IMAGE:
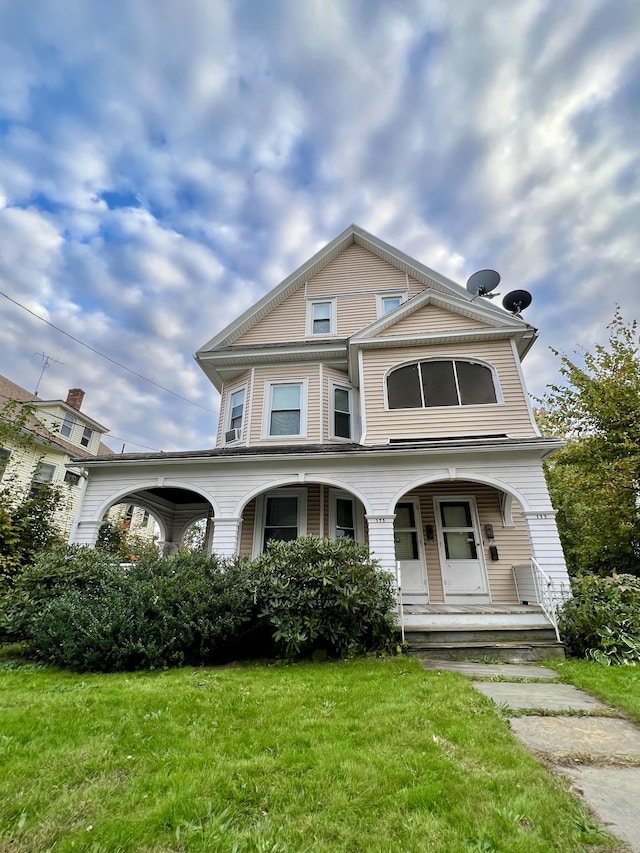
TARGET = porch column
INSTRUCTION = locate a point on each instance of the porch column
(225, 536)
(382, 546)
(167, 547)
(85, 533)
(545, 544)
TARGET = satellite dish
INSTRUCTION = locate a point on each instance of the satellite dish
(516, 301)
(481, 283)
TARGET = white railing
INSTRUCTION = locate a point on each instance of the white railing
(534, 586)
(399, 596)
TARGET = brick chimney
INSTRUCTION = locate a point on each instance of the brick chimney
(75, 398)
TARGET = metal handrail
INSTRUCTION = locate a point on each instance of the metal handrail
(549, 594)
(399, 595)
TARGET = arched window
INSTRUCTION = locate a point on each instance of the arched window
(440, 382)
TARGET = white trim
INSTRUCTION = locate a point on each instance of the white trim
(321, 401)
(331, 301)
(358, 513)
(269, 385)
(422, 551)
(523, 385)
(363, 404)
(261, 510)
(252, 381)
(343, 386)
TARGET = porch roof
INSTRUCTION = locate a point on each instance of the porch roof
(426, 446)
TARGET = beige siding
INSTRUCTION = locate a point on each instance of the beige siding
(510, 417)
(431, 318)
(512, 542)
(353, 278)
(284, 373)
(248, 526)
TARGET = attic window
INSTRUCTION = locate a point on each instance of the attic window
(441, 382)
(87, 435)
(321, 317)
(67, 425)
(389, 302)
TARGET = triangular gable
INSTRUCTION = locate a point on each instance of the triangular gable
(435, 312)
(412, 269)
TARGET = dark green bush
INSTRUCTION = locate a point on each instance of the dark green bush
(186, 609)
(602, 619)
(319, 595)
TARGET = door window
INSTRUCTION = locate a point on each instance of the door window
(457, 531)
(405, 532)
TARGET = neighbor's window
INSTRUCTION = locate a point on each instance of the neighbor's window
(87, 435)
(322, 317)
(67, 426)
(341, 412)
(285, 411)
(440, 382)
(43, 476)
(4, 460)
(71, 478)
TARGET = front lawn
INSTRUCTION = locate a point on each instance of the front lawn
(616, 685)
(364, 755)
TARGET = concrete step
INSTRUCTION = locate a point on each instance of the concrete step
(511, 652)
(466, 634)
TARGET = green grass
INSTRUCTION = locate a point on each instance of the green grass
(366, 755)
(618, 686)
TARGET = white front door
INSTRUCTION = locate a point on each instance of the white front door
(464, 575)
(409, 552)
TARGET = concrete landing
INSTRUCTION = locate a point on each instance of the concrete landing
(600, 754)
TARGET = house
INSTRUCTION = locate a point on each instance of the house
(369, 396)
(57, 431)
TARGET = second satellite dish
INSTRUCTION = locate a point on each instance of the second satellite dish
(516, 301)
(481, 283)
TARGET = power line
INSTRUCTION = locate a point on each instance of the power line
(107, 357)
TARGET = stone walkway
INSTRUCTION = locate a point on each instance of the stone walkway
(577, 734)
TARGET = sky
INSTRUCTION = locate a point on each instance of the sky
(165, 163)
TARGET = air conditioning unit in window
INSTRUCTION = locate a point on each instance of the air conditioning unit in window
(232, 435)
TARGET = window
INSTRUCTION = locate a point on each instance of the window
(67, 426)
(388, 302)
(321, 317)
(235, 415)
(87, 435)
(283, 517)
(405, 532)
(43, 476)
(345, 516)
(4, 460)
(71, 478)
(443, 382)
(285, 413)
(341, 412)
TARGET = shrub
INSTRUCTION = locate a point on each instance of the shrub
(185, 609)
(602, 619)
(324, 596)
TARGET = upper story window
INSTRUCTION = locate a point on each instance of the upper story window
(285, 410)
(235, 415)
(43, 476)
(4, 460)
(321, 317)
(341, 411)
(87, 435)
(388, 302)
(440, 382)
(67, 425)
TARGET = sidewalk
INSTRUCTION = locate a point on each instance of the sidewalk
(577, 734)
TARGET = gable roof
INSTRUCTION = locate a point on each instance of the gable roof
(434, 283)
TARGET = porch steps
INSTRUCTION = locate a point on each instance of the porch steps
(512, 635)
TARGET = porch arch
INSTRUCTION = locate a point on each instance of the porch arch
(320, 479)
(148, 485)
(460, 475)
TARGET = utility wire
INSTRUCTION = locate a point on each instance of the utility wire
(108, 358)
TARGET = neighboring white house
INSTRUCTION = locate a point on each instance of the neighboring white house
(57, 431)
(365, 396)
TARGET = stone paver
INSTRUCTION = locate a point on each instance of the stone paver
(541, 697)
(493, 670)
(600, 738)
(614, 794)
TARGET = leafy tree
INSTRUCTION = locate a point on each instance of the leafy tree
(595, 480)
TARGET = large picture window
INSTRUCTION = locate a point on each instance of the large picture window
(440, 382)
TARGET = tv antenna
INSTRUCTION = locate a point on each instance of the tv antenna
(46, 359)
(481, 283)
(516, 301)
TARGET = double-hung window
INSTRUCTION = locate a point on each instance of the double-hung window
(87, 435)
(235, 407)
(281, 516)
(43, 476)
(342, 417)
(345, 516)
(321, 317)
(285, 413)
(67, 425)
